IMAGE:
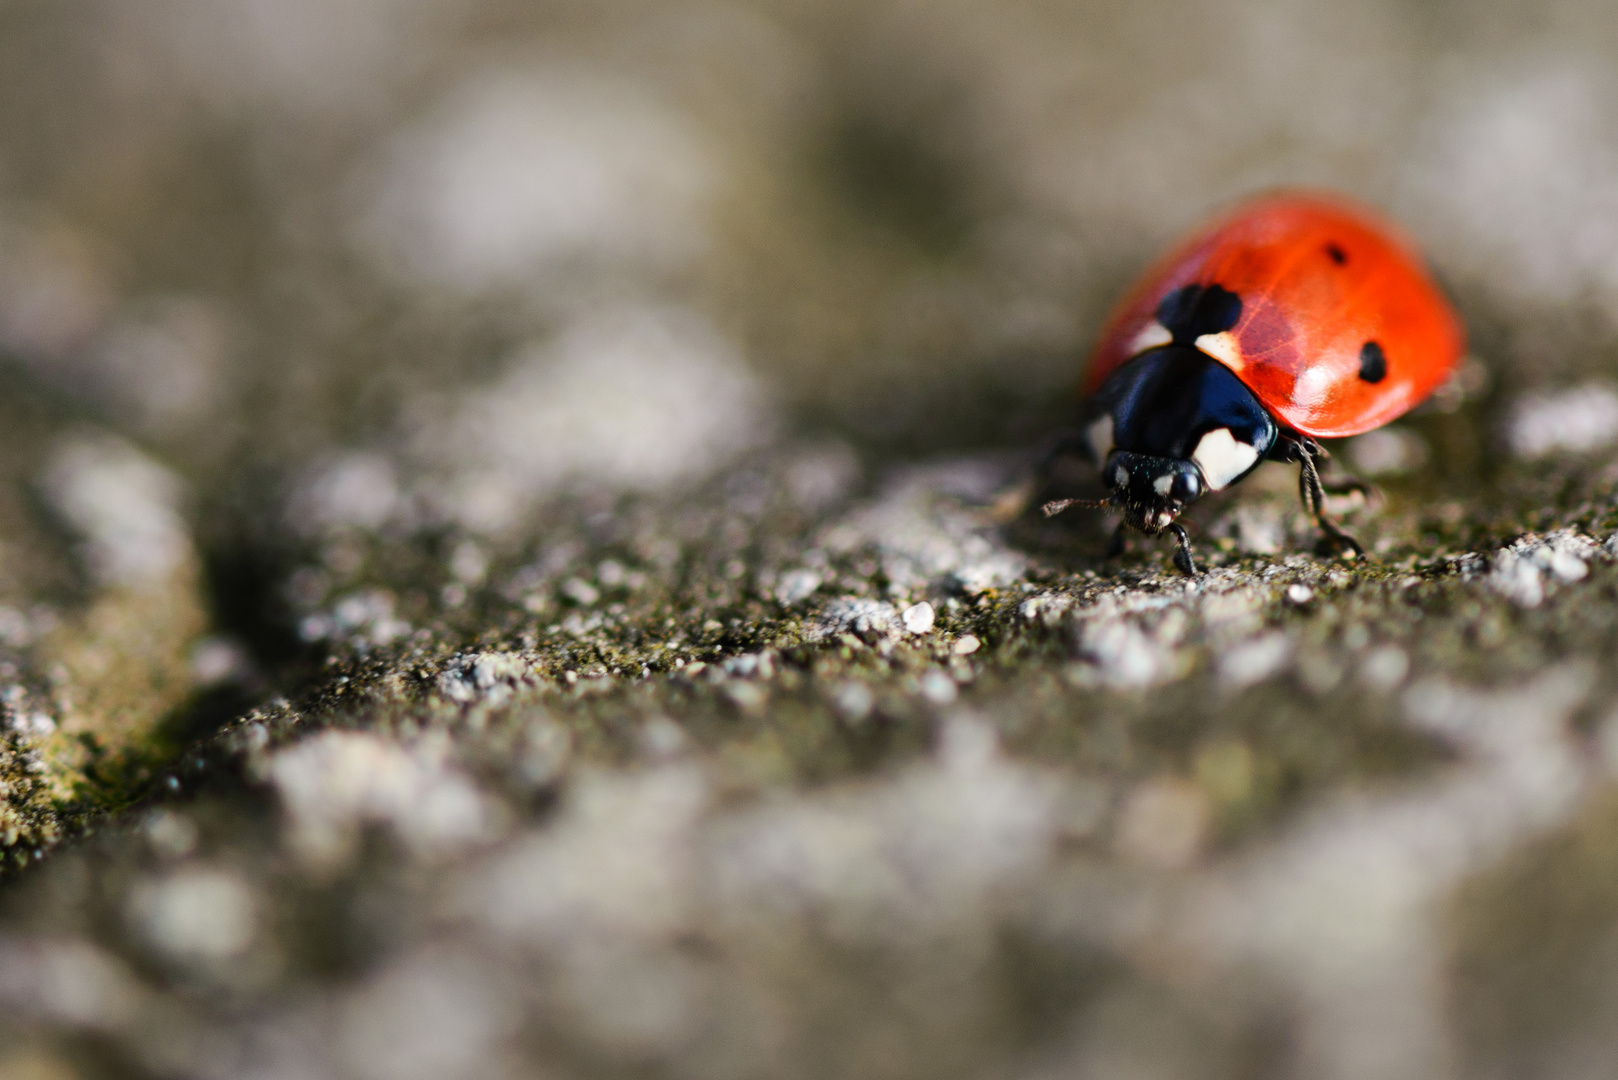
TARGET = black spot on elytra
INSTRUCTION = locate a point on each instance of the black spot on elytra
(1336, 254)
(1195, 310)
(1373, 363)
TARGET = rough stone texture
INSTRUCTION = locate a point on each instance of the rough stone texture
(102, 621)
(511, 563)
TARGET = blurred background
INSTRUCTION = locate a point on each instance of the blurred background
(399, 268)
(256, 233)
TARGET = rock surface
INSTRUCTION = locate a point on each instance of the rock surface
(509, 565)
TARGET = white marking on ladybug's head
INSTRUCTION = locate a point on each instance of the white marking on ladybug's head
(1222, 457)
(1223, 347)
(1163, 484)
(1152, 335)
(1163, 519)
(1099, 436)
(1120, 477)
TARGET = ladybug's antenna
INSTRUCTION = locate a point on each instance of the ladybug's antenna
(1056, 507)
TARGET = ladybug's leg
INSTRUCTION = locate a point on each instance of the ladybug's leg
(1182, 555)
(1345, 486)
(1349, 486)
(1313, 494)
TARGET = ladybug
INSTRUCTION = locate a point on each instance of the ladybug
(1298, 316)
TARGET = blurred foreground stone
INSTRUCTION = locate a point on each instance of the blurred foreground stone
(808, 775)
(101, 614)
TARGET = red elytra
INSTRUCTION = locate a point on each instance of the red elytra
(1318, 277)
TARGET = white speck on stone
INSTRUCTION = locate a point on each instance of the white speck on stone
(518, 172)
(195, 914)
(1254, 661)
(125, 506)
(855, 615)
(487, 678)
(966, 645)
(336, 782)
(1298, 593)
(795, 586)
(1576, 420)
(1524, 570)
(918, 618)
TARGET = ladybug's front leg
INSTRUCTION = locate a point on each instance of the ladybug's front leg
(1182, 554)
(1313, 494)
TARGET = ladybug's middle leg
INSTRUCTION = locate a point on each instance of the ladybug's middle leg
(1346, 485)
(1313, 494)
(1295, 448)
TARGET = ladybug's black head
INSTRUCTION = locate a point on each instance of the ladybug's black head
(1169, 426)
(1151, 491)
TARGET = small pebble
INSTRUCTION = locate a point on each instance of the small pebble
(1300, 594)
(966, 645)
(918, 618)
